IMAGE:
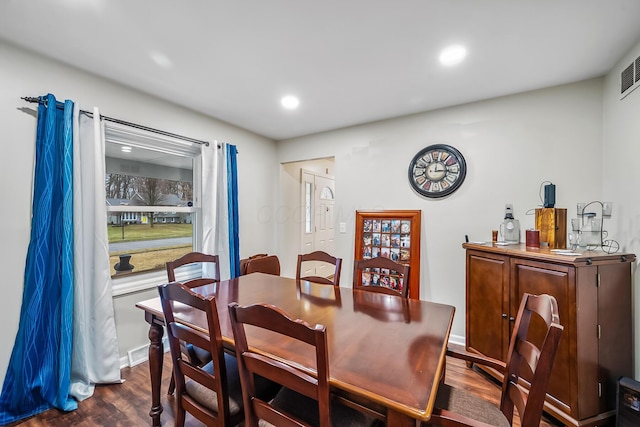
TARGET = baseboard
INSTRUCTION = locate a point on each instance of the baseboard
(457, 339)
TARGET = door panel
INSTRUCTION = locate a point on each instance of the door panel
(535, 278)
(318, 193)
(487, 329)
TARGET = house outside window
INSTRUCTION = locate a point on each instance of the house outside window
(153, 210)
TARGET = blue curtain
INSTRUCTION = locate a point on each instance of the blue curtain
(232, 193)
(38, 375)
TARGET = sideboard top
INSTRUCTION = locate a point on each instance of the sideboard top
(546, 254)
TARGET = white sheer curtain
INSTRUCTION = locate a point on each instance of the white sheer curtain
(95, 356)
(215, 215)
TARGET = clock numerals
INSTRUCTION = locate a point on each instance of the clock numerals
(422, 163)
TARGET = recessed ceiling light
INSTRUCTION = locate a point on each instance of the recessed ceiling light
(453, 55)
(160, 59)
(125, 149)
(290, 102)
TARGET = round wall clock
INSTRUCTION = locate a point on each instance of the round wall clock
(437, 170)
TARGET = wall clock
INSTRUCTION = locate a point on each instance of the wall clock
(437, 170)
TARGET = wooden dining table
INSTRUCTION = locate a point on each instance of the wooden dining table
(386, 353)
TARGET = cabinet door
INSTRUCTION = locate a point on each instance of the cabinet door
(557, 280)
(615, 353)
(487, 304)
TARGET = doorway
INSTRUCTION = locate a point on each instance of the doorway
(318, 225)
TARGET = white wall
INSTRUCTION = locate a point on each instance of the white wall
(621, 172)
(24, 74)
(511, 145)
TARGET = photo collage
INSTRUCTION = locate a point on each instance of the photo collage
(389, 238)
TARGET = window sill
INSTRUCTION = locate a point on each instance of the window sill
(142, 282)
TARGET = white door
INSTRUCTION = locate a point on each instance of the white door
(318, 233)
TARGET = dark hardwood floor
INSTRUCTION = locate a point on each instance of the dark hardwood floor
(127, 404)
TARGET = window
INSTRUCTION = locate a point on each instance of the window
(152, 188)
(307, 207)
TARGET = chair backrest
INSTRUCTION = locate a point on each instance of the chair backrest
(382, 275)
(180, 335)
(529, 359)
(209, 262)
(269, 264)
(244, 261)
(249, 363)
(320, 256)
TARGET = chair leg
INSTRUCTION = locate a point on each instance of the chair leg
(172, 385)
(180, 415)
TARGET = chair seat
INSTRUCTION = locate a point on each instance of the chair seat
(200, 354)
(206, 397)
(469, 405)
(209, 398)
(306, 409)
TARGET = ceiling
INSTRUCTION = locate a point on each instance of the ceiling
(348, 61)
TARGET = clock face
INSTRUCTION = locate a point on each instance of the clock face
(437, 171)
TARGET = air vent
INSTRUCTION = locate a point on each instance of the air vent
(630, 78)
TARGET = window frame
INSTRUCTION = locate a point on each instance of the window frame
(143, 139)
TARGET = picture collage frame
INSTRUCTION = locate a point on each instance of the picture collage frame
(392, 234)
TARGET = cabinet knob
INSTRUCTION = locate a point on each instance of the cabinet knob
(512, 319)
(504, 315)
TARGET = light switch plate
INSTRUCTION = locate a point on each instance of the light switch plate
(343, 227)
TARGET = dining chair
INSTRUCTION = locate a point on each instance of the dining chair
(211, 393)
(244, 261)
(322, 257)
(532, 351)
(304, 399)
(269, 264)
(209, 264)
(381, 275)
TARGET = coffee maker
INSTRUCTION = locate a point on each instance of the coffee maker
(510, 227)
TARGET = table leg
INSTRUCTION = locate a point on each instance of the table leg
(155, 369)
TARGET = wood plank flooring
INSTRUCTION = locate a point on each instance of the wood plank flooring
(127, 404)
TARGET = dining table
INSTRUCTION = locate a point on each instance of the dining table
(386, 353)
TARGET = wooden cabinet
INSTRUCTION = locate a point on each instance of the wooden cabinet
(593, 291)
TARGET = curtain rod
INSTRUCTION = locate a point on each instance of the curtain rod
(38, 100)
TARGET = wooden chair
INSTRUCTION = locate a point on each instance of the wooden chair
(269, 264)
(210, 263)
(530, 357)
(244, 261)
(304, 400)
(398, 272)
(320, 256)
(212, 393)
